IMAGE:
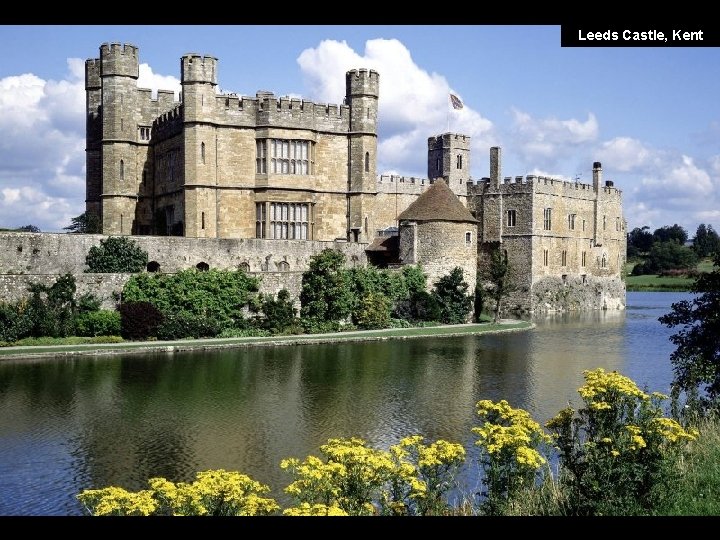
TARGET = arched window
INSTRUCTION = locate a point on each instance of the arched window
(202, 152)
(244, 266)
(202, 266)
(122, 170)
(468, 238)
(153, 266)
(367, 161)
(283, 266)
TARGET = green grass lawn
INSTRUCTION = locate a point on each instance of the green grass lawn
(662, 284)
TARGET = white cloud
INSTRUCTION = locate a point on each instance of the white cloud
(413, 105)
(624, 154)
(545, 142)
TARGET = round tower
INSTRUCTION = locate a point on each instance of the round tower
(119, 69)
(198, 76)
(361, 95)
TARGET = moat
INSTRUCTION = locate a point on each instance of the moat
(69, 424)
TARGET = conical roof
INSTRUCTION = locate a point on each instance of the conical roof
(437, 203)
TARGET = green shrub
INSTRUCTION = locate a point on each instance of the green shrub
(451, 295)
(15, 322)
(219, 295)
(98, 323)
(116, 254)
(139, 320)
(374, 312)
(244, 332)
(279, 313)
(183, 325)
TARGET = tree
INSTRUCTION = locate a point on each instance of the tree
(667, 256)
(451, 295)
(639, 240)
(116, 254)
(279, 313)
(500, 278)
(706, 242)
(696, 360)
(326, 294)
(29, 228)
(85, 223)
(674, 233)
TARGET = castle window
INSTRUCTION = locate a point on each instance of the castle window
(283, 266)
(283, 221)
(153, 266)
(468, 238)
(617, 223)
(437, 164)
(202, 152)
(511, 218)
(563, 258)
(244, 266)
(584, 258)
(571, 222)
(603, 263)
(547, 219)
(545, 257)
(202, 220)
(290, 156)
(122, 170)
(260, 218)
(367, 161)
(583, 225)
(604, 222)
(459, 161)
(261, 161)
(144, 133)
(202, 266)
(367, 113)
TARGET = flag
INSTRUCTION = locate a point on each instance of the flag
(456, 103)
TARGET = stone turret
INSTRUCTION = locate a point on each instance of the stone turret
(361, 95)
(449, 159)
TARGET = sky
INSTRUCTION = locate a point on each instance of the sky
(651, 116)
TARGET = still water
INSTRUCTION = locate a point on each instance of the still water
(72, 424)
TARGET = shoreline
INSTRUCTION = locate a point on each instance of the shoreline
(206, 344)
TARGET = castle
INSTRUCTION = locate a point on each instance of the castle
(220, 166)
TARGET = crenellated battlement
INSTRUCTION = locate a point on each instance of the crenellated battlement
(168, 124)
(361, 82)
(545, 185)
(196, 68)
(391, 183)
(119, 60)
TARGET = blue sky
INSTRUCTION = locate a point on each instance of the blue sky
(650, 115)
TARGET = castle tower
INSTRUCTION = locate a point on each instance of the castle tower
(449, 159)
(118, 73)
(93, 137)
(361, 95)
(199, 82)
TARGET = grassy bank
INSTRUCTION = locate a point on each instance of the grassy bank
(72, 347)
(697, 490)
(654, 283)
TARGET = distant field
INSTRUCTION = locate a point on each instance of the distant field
(659, 284)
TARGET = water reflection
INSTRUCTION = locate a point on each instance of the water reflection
(71, 424)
